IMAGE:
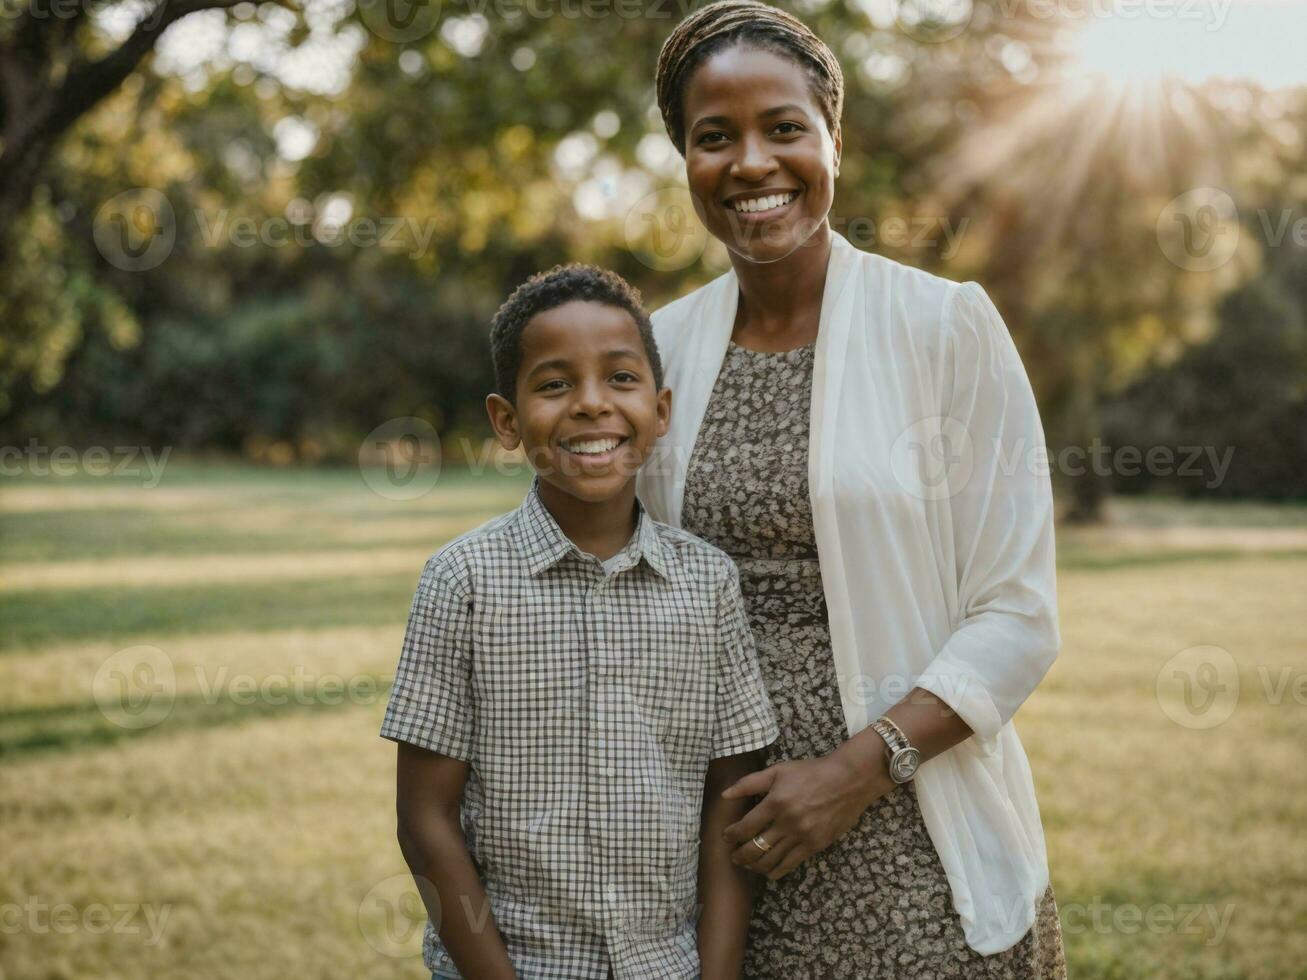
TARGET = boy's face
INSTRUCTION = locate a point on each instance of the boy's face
(587, 411)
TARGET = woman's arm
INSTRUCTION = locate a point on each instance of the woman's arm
(429, 788)
(811, 803)
(725, 892)
(1006, 634)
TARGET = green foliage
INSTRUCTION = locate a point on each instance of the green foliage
(1245, 390)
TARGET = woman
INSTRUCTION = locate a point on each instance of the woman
(854, 433)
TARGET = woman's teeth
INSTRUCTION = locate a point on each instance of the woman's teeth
(756, 204)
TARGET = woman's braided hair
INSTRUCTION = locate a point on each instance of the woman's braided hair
(721, 25)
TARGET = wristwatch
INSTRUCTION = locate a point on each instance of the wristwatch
(903, 758)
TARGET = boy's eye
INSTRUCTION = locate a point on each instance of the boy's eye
(626, 376)
(548, 385)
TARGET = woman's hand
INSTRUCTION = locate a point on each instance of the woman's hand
(807, 805)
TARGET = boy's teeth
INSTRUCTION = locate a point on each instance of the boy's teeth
(593, 446)
(764, 203)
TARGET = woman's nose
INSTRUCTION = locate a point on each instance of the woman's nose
(754, 160)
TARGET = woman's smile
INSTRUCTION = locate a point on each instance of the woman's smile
(760, 156)
(755, 209)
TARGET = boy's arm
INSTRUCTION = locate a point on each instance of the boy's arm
(429, 787)
(725, 889)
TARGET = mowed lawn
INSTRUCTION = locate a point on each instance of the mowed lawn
(192, 676)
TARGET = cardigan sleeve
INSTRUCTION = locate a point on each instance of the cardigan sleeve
(1000, 508)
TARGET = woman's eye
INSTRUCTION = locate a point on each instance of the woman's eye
(705, 137)
(797, 127)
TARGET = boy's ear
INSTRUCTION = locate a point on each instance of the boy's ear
(664, 411)
(503, 419)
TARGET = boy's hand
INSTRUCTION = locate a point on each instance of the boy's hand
(429, 788)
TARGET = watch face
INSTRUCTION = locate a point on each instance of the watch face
(904, 764)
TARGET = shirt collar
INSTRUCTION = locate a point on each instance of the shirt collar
(543, 543)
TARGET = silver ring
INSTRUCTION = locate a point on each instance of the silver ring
(761, 844)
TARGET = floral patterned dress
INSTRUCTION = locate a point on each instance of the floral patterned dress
(876, 904)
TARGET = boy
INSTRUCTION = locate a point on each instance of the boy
(577, 684)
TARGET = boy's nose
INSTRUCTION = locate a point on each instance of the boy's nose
(591, 399)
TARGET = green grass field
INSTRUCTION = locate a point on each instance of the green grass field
(192, 676)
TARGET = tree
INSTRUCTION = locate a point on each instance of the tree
(50, 78)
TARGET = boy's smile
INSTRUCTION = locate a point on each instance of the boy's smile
(587, 412)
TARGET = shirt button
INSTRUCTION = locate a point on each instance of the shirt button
(610, 771)
(611, 894)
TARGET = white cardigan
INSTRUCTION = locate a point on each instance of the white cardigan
(934, 524)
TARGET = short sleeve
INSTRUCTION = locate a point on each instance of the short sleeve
(744, 718)
(430, 700)
(1001, 512)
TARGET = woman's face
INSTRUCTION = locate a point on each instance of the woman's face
(760, 161)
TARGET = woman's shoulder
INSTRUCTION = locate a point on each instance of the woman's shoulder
(690, 308)
(906, 290)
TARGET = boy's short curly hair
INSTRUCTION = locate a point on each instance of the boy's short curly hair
(546, 290)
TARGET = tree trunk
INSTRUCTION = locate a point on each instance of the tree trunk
(1088, 484)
